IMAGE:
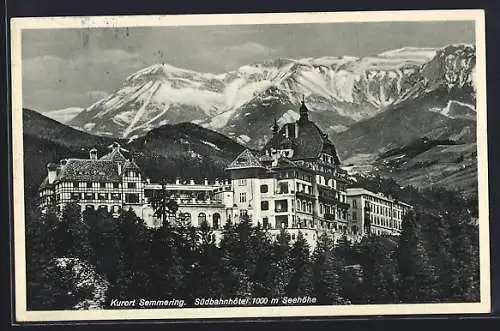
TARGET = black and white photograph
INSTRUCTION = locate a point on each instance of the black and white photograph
(250, 165)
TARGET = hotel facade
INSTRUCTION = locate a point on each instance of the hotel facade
(295, 182)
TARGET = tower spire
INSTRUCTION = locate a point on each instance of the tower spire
(304, 112)
(275, 126)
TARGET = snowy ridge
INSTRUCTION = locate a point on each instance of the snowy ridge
(345, 89)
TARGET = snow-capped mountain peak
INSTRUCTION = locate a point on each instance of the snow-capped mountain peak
(338, 90)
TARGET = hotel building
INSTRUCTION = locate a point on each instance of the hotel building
(375, 213)
(295, 182)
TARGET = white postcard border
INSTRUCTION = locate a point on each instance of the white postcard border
(23, 315)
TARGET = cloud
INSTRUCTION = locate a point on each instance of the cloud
(232, 56)
(52, 82)
(63, 115)
(97, 95)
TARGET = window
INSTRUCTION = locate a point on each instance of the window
(216, 220)
(102, 196)
(354, 216)
(131, 185)
(243, 213)
(243, 197)
(283, 221)
(283, 188)
(281, 206)
(264, 205)
(354, 203)
(89, 185)
(186, 217)
(242, 182)
(116, 185)
(75, 196)
(265, 223)
(264, 189)
(132, 198)
(103, 207)
(89, 196)
(89, 207)
(75, 184)
(202, 217)
(132, 173)
(116, 196)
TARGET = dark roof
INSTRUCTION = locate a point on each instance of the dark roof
(309, 144)
(245, 160)
(89, 171)
(115, 155)
(45, 184)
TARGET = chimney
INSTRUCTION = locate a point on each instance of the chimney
(177, 181)
(191, 182)
(52, 172)
(93, 154)
(206, 182)
(217, 182)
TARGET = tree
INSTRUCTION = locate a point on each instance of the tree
(417, 279)
(204, 280)
(326, 271)
(133, 239)
(280, 268)
(72, 234)
(164, 206)
(301, 280)
(379, 270)
(42, 289)
(235, 261)
(104, 241)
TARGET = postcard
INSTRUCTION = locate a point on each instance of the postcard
(177, 167)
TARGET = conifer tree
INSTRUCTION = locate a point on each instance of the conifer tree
(281, 270)
(326, 271)
(301, 280)
(417, 279)
(379, 269)
(73, 234)
(133, 236)
(103, 238)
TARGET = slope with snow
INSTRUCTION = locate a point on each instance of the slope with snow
(243, 103)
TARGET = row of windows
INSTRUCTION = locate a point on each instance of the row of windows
(98, 185)
(304, 206)
(385, 211)
(385, 222)
(327, 158)
(129, 197)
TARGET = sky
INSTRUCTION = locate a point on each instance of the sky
(64, 68)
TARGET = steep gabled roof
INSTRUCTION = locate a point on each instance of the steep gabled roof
(89, 171)
(245, 160)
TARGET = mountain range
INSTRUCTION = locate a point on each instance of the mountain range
(243, 103)
(408, 114)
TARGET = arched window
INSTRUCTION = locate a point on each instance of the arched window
(216, 220)
(202, 217)
(304, 206)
